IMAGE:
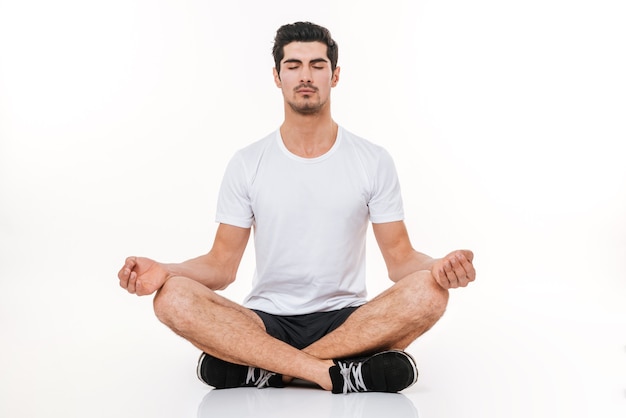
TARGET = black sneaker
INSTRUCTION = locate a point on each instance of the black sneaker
(388, 371)
(222, 375)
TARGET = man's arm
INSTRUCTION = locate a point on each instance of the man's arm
(216, 269)
(453, 270)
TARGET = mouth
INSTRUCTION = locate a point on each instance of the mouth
(306, 90)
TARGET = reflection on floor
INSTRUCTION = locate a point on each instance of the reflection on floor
(302, 402)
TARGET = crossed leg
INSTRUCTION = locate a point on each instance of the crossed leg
(226, 330)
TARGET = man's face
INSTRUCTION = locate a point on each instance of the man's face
(306, 76)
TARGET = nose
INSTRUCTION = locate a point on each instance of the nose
(305, 75)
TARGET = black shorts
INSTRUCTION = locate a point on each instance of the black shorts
(300, 331)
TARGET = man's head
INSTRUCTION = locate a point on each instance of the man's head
(304, 32)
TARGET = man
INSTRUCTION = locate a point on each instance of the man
(309, 190)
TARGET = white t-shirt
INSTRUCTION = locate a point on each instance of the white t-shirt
(310, 217)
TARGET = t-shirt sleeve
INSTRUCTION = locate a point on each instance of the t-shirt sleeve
(233, 204)
(385, 204)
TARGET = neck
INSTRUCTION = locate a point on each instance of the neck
(308, 136)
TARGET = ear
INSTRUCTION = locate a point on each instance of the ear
(277, 78)
(335, 78)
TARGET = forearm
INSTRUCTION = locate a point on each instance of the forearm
(400, 256)
(409, 263)
(206, 269)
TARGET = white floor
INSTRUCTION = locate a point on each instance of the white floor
(505, 348)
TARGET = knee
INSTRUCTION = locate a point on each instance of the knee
(172, 301)
(423, 297)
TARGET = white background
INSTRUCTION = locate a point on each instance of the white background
(507, 124)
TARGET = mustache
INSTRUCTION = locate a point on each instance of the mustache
(305, 86)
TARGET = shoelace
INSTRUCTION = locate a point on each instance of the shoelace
(261, 381)
(352, 377)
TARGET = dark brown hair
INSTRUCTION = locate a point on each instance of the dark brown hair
(304, 32)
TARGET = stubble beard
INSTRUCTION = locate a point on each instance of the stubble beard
(309, 104)
(307, 108)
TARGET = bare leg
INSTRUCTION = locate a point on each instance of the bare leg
(231, 332)
(392, 320)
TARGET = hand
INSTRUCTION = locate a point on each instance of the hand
(454, 270)
(142, 276)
